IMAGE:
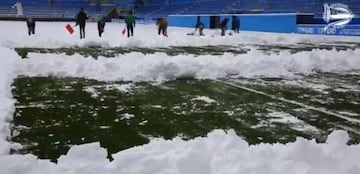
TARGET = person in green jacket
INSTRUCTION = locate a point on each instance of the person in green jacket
(130, 24)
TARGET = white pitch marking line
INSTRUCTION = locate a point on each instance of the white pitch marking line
(291, 102)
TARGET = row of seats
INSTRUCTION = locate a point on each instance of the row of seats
(61, 11)
(6, 9)
(163, 8)
(154, 10)
(58, 10)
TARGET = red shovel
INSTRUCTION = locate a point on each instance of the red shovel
(69, 28)
(124, 31)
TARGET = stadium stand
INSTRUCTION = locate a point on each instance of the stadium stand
(58, 9)
(159, 8)
(7, 9)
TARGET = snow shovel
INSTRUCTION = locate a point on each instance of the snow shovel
(70, 28)
(124, 31)
(191, 34)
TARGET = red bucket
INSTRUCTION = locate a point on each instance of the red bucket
(69, 28)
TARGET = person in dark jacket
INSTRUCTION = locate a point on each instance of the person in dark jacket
(30, 25)
(235, 25)
(81, 20)
(130, 24)
(199, 25)
(223, 26)
(101, 26)
(162, 24)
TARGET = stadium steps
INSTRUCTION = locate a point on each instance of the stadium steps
(190, 7)
(6, 9)
(151, 14)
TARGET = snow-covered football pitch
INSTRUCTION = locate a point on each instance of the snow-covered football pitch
(243, 103)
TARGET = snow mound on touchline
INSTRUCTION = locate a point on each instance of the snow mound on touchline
(219, 152)
(161, 67)
(8, 62)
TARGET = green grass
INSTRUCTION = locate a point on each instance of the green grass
(59, 113)
(95, 52)
(52, 114)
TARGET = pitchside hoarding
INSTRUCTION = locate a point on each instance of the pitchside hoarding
(350, 30)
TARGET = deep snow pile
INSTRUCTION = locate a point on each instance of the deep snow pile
(8, 59)
(219, 152)
(161, 67)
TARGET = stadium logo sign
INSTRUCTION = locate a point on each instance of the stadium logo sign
(339, 13)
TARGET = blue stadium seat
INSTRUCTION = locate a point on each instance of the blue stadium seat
(60, 9)
(161, 8)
